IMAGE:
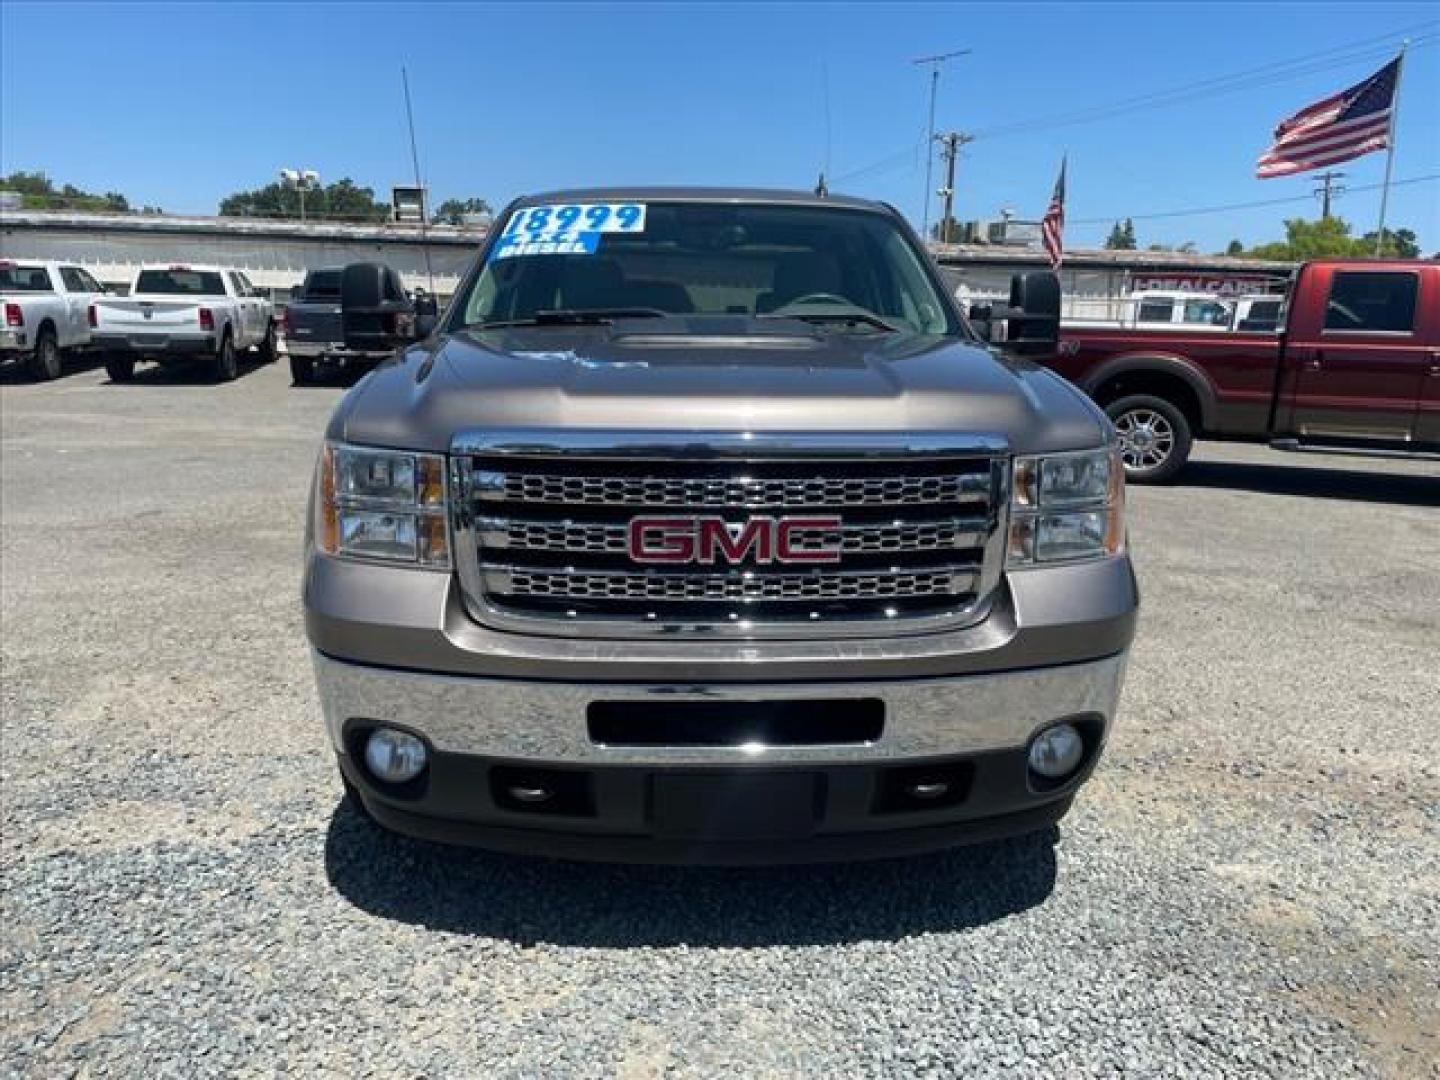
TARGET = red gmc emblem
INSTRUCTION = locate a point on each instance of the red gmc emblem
(709, 540)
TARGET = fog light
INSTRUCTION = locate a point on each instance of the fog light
(394, 756)
(1056, 752)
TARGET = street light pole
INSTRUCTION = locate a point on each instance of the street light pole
(300, 181)
(935, 63)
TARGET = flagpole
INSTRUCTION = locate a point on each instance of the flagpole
(1390, 150)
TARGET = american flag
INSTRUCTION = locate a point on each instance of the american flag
(1334, 130)
(1052, 226)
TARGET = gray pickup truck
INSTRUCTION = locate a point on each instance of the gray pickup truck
(706, 529)
(347, 316)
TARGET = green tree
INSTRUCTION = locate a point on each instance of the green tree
(1331, 239)
(453, 211)
(37, 192)
(1399, 244)
(1235, 247)
(343, 200)
(1122, 237)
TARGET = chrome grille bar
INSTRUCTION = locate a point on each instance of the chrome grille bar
(742, 492)
(731, 586)
(594, 537)
(540, 523)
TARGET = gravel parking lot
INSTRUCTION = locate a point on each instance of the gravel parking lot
(1249, 887)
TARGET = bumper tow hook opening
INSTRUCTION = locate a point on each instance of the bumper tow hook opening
(525, 794)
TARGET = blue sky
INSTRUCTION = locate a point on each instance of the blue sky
(178, 105)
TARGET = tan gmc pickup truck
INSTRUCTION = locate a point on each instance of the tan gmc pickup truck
(704, 528)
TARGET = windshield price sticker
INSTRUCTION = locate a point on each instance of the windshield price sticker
(567, 229)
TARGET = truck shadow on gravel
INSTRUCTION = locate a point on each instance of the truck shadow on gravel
(534, 901)
(17, 373)
(1401, 489)
(196, 374)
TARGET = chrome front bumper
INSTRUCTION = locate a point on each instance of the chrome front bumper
(546, 721)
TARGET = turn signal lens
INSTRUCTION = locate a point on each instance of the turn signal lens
(430, 481)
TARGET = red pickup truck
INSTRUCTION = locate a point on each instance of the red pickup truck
(1355, 365)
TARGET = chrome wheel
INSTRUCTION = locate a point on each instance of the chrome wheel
(1147, 439)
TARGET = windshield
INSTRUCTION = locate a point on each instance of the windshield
(180, 283)
(24, 279)
(679, 258)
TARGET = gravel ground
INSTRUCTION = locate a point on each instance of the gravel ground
(1249, 887)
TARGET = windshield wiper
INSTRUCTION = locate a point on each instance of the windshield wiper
(575, 317)
(854, 318)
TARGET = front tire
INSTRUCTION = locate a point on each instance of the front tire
(121, 369)
(224, 364)
(45, 361)
(1155, 437)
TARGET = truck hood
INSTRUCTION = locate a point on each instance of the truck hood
(712, 374)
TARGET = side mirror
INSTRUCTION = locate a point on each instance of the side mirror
(1035, 313)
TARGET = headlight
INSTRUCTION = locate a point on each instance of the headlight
(1067, 506)
(382, 504)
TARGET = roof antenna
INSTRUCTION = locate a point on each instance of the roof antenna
(820, 188)
(415, 160)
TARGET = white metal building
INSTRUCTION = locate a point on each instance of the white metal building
(276, 254)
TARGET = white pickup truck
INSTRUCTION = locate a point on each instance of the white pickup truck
(178, 313)
(45, 305)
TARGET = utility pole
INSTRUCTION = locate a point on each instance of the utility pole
(1327, 190)
(950, 148)
(935, 63)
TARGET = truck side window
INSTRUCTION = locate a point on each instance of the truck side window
(1206, 312)
(1374, 302)
(1155, 311)
(72, 279)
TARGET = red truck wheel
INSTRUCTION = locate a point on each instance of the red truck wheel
(1155, 437)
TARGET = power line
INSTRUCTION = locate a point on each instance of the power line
(1350, 54)
(1196, 211)
(1230, 84)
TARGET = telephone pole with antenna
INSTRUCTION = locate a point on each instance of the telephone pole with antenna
(950, 149)
(935, 63)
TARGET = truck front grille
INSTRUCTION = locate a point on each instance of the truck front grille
(543, 534)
